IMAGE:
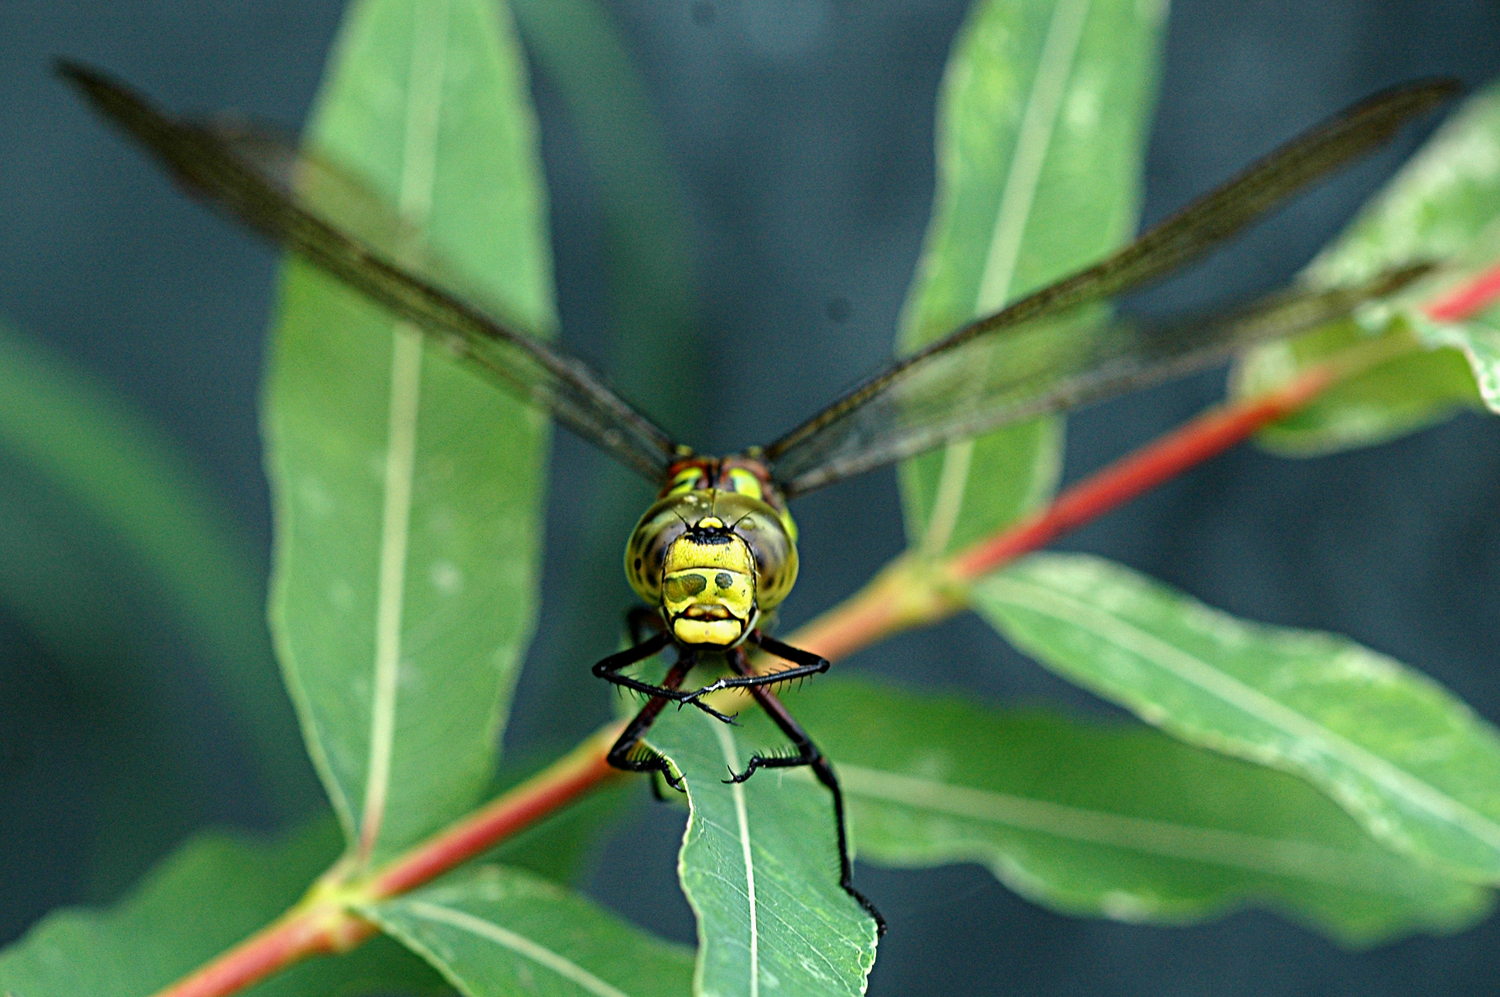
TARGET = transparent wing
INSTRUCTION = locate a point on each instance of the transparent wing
(335, 222)
(1048, 367)
(1045, 352)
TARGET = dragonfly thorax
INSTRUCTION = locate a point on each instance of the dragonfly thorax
(712, 559)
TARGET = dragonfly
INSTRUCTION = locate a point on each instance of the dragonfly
(716, 554)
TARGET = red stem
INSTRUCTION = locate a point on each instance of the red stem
(273, 948)
(329, 926)
(577, 773)
(1469, 299)
(1211, 433)
(324, 924)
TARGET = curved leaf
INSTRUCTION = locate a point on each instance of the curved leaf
(1443, 205)
(1042, 124)
(759, 865)
(212, 893)
(494, 931)
(1112, 820)
(407, 492)
(1405, 757)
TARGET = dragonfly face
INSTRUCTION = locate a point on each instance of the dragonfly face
(715, 551)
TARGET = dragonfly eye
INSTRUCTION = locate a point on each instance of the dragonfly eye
(741, 535)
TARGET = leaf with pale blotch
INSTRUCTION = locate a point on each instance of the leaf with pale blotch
(1444, 205)
(212, 893)
(1402, 755)
(407, 491)
(1042, 126)
(760, 867)
(1112, 820)
(495, 931)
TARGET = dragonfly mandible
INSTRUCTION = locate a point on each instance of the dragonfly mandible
(716, 554)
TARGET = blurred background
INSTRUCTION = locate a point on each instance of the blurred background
(757, 267)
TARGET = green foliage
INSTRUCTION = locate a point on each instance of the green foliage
(760, 866)
(212, 893)
(1042, 126)
(494, 931)
(1106, 820)
(1401, 754)
(407, 492)
(1443, 205)
(408, 504)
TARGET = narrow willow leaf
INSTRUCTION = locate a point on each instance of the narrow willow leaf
(120, 469)
(1112, 820)
(495, 931)
(212, 893)
(1042, 125)
(407, 492)
(654, 351)
(1443, 205)
(1405, 757)
(760, 867)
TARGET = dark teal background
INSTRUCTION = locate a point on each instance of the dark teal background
(803, 138)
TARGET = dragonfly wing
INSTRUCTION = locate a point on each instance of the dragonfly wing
(1029, 347)
(334, 221)
(1053, 366)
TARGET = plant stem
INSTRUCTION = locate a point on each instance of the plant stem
(887, 605)
(325, 922)
(913, 593)
(288, 940)
(574, 774)
(910, 592)
(1467, 300)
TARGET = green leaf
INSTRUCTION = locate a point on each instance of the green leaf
(760, 867)
(120, 470)
(408, 493)
(1111, 820)
(211, 894)
(1405, 757)
(654, 350)
(1043, 121)
(1390, 400)
(494, 931)
(1444, 205)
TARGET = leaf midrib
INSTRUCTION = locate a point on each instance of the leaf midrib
(418, 176)
(741, 813)
(1213, 846)
(1252, 702)
(1038, 123)
(517, 943)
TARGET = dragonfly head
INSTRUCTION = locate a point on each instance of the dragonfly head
(713, 561)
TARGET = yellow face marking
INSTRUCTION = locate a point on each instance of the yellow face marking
(708, 590)
(731, 556)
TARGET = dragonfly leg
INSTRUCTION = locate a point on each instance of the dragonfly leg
(609, 669)
(807, 754)
(639, 620)
(630, 754)
(806, 664)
